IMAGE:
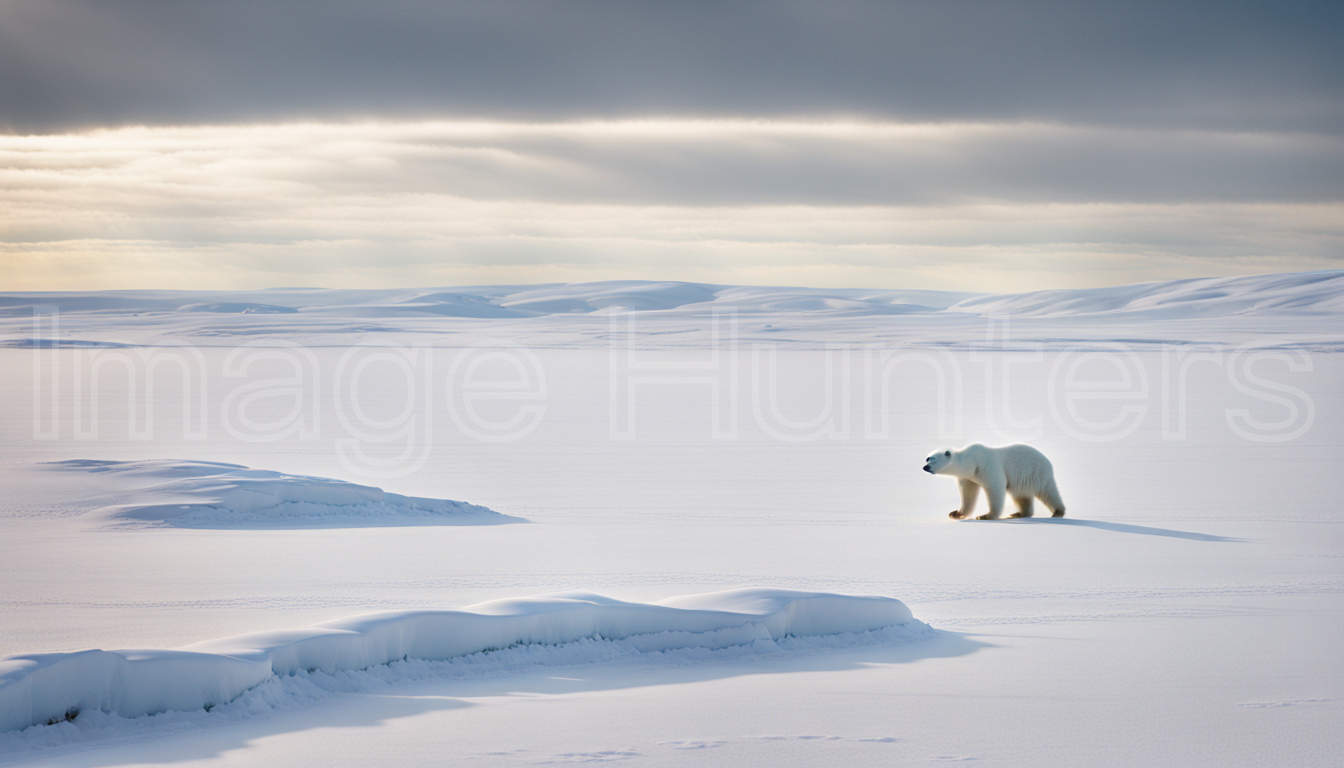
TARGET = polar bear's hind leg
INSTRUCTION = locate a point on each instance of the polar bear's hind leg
(1024, 506)
(1050, 497)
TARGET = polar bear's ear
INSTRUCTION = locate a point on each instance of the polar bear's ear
(947, 453)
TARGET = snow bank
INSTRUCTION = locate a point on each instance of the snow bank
(47, 688)
(52, 687)
(204, 494)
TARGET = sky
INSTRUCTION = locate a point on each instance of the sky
(986, 146)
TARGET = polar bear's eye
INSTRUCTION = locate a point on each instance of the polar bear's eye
(947, 453)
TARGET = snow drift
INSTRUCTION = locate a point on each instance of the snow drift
(45, 688)
(205, 494)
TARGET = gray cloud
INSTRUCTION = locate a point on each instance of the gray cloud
(246, 170)
(444, 203)
(1224, 65)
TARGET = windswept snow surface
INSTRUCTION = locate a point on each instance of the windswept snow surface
(44, 689)
(207, 494)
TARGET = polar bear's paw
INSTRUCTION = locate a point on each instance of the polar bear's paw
(956, 514)
(987, 516)
(1058, 513)
(1020, 514)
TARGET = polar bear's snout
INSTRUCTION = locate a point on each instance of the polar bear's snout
(936, 461)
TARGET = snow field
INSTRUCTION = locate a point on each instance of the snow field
(1185, 613)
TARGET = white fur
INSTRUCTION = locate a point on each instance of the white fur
(1019, 471)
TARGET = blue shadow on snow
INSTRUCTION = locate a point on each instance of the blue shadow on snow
(1117, 527)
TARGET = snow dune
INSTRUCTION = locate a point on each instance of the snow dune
(205, 494)
(38, 689)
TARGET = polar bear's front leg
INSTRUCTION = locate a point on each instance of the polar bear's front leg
(969, 493)
(996, 490)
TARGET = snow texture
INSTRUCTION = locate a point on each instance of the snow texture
(48, 688)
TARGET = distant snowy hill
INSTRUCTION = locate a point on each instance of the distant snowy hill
(1299, 293)
(1296, 308)
(489, 301)
(1292, 292)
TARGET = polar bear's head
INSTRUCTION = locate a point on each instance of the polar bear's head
(937, 461)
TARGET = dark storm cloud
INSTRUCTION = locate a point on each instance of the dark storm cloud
(1245, 66)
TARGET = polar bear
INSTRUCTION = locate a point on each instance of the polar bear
(1019, 471)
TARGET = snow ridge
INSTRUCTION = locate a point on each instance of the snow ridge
(49, 688)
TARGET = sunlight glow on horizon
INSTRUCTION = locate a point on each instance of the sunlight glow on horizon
(828, 203)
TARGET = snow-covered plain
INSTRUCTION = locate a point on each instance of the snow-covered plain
(664, 439)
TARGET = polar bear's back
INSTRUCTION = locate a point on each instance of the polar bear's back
(1027, 470)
